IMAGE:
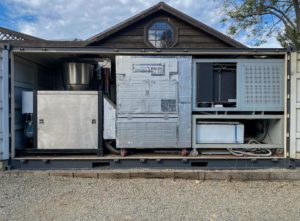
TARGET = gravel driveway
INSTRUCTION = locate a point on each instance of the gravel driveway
(57, 198)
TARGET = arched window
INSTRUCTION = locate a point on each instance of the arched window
(160, 34)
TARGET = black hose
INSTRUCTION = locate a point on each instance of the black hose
(267, 124)
(111, 148)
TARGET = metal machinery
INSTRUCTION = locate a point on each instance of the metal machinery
(153, 102)
(238, 85)
(237, 104)
(234, 97)
(217, 108)
(165, 102)
(69, 119)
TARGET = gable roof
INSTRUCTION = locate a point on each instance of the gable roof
(10, 35)
(165, 7)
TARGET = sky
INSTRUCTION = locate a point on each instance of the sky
(81, 19)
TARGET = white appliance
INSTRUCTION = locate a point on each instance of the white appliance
(219, 132)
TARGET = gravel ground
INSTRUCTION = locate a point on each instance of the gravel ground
(57, 198)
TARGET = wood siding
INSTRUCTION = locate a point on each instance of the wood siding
(188, 35)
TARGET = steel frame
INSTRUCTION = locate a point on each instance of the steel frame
(220, 164)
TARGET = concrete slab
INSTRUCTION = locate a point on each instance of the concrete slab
(185, 175)
(225, 175)
(114, 175)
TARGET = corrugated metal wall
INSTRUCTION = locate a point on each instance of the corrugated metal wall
(295, 106)
(25, 78)
(1, 129)
(4, 127)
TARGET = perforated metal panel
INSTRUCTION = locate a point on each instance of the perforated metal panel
(260, 85)
(153, 102)
(146, 132)
(146, 96)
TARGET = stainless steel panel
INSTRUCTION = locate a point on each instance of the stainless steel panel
(67, 119)
(146, 67)
(147, 133)
(185, 102)
(260, 85)
(77, 76)
(146, 84)
(154, 88)
(147, 96)
(109, 131)
(185, 126)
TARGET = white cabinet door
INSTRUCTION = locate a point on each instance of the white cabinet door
(295, 106)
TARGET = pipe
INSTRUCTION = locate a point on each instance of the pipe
(111, 148)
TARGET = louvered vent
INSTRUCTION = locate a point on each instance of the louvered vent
(262, 86)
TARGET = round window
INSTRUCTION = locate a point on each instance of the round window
(161, 34)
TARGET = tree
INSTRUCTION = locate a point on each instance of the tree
(265, 18)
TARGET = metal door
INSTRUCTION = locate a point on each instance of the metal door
(67, 119)
(295, 106)
(4, 106)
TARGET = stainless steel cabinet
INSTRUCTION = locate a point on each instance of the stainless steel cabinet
(153, 102)
(67, 119)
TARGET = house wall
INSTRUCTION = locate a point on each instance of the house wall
(188, 35)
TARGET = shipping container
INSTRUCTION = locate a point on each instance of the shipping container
(33, 70)
(198, 100)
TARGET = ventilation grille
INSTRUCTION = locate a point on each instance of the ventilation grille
(263, 84)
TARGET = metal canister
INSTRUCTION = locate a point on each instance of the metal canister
(77, 76)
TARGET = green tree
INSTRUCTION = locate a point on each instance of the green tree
(265, 18)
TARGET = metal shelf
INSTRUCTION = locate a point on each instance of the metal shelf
(276, 133)
(244, 116)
